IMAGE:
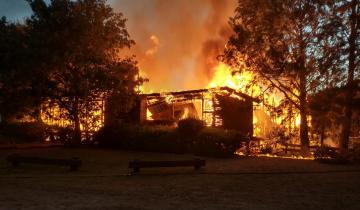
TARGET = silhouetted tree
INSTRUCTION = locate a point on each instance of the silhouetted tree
(284, 43)
(77, 44)
(324, 110)
(16, 96)
(347, 14)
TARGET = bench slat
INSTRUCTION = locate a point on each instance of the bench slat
(15, 159)
(150, 164)
(137, 164)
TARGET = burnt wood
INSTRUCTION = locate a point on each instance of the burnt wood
(137, 164)
(15, 160)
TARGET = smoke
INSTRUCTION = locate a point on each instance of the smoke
(177, 41)
(154, 49)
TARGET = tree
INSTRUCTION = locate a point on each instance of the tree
(120, 106)
(16, 96)
(348, 15)
(324, 109)
(284, 43)
(327, 110)
(77, 44)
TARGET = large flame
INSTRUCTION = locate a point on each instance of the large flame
(242, 82)
(264, 119)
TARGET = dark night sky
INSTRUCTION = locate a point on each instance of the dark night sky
(176, 40)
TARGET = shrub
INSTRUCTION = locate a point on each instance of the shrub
(25, 132)
(162, 139)
(190, 127)
(266, 150)
(332, 156)
(60, 134)
(208, 142)
(111, 136)
(141, 138)
(356, 153)
(217, 142)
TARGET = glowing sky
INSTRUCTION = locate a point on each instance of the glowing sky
(177, 41)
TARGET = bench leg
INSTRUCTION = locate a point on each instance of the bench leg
(15, 163)
(197, 167)
(136, 170)
(73, 168)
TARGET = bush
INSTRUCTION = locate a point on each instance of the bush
(111, 136)
(266, 150)
(332, 156)
(59, 134)
(25, 132)
(217, 142)
(190, 127)
(162, 139)
(141, 138)
(356, 153)
(208, 142)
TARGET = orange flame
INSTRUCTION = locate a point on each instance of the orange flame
(264, 121)
(241, 82)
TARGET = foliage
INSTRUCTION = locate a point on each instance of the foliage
(217, 142)
(333, 156)
(67, 54)
(59, 134)
(208, 142)
(356, 152)
(266, 150)
(346, 24)
(140, 138)
(16, 96)
(25, 132)
(287, 46)
(190, 127)
(326, 109)
(84, 38)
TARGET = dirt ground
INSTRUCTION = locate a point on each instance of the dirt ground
(239, 183)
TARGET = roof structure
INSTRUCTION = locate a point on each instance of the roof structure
(198, 93)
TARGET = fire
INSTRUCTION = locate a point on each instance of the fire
(223, 76)
(269, 116)
(149, 115)
(185, 114)
(298, 120)
(264, 119)
(91, 121)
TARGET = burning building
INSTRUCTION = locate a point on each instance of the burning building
(217, 107)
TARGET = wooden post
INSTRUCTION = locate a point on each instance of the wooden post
(202, 108)
(143, 109)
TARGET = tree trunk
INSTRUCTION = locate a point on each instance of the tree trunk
(37, 113)
(3, 119)
(346, 129)
(322, 135)
(77, 132)
(304, 137)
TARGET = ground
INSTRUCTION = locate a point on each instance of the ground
(239, 183)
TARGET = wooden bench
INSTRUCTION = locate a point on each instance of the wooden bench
(137, 164)
(16, 160)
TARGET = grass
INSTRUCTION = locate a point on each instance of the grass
(238, 183)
